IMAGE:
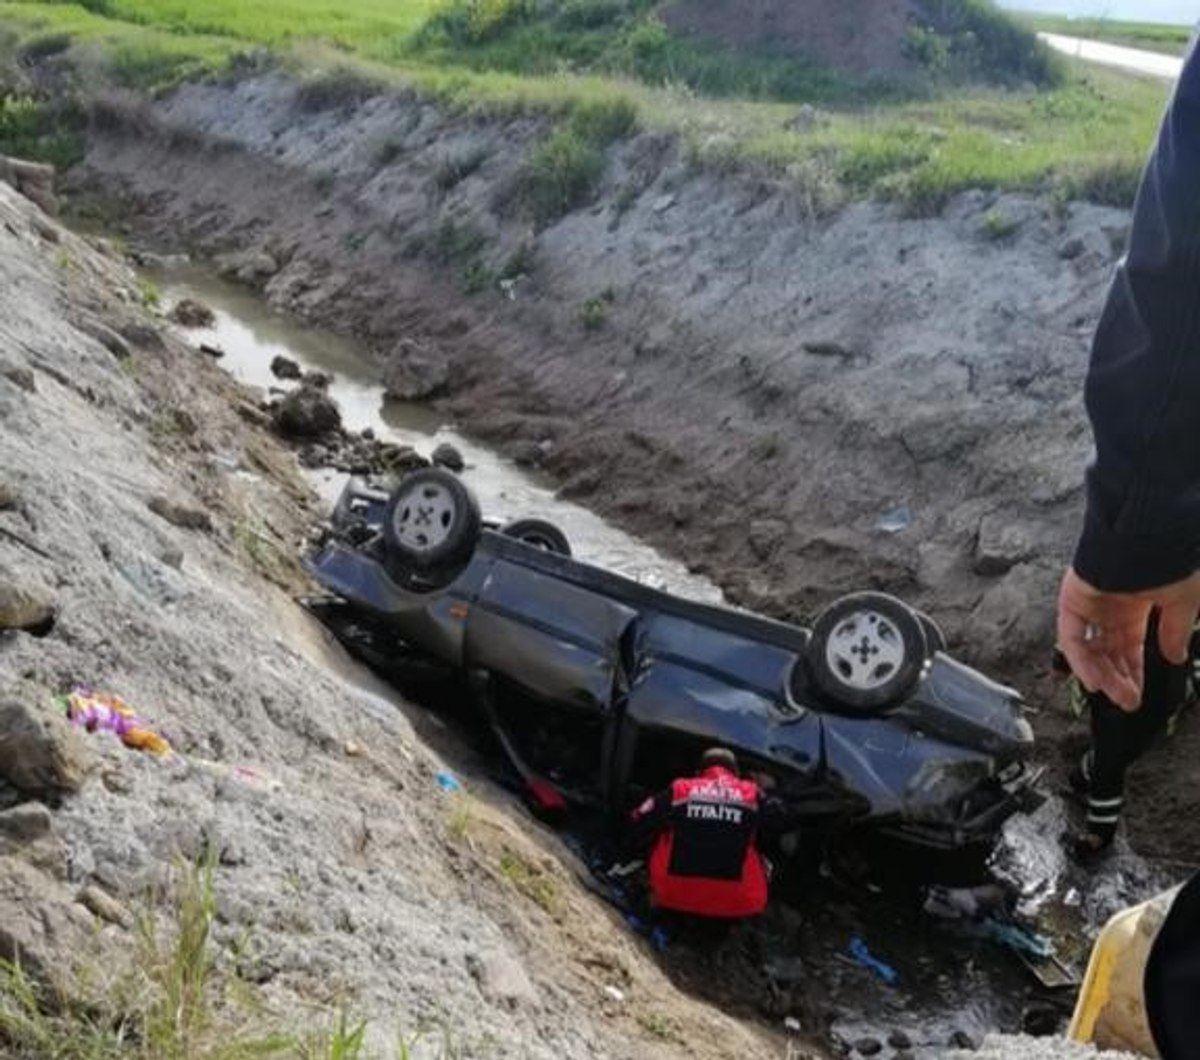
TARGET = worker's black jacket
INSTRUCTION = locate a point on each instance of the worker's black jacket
(1143, 389)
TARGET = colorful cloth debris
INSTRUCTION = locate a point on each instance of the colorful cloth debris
(103, 712)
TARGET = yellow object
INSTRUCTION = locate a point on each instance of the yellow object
(1111, 1011)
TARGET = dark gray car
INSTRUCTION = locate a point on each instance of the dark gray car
(610, 688)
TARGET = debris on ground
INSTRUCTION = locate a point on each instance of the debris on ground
(103, 712)
(863, 956)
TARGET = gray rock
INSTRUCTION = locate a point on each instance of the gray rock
(1000, 546)
(412, 373)
(316, 380)
(171, 557)
(252, 414)
(1072, 248)
(447, 456)
(143, 336)
(527, 454)
(285, 368)
(253, 267)
(104, 335)
(306, 413)
(41, 927)
(501, 978)
(24, 606)
(868, 1046)
(40, 753)
(184, 516)
(33, 180)
(190, 313)
(20, 376)
(105, 906)
(899, 1040)
(26, 822)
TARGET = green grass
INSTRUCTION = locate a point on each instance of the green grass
(172, 1001)
(1087, 136)
(1171, 40)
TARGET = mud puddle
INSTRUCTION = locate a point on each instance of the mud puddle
(251, 335)
(796, 967)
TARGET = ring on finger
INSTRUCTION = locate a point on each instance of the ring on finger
(1091, 633)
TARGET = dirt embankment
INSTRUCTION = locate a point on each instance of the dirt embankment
(147, 532)
(749, 386)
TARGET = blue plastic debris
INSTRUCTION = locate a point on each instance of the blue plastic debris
(657, 936)
(447, 782)
(862, 955)
(895, 521)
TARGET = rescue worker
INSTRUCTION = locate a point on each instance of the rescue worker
(702, 833)
(1120, 738)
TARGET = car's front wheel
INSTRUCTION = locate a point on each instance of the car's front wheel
(432, 521)
(866, 650)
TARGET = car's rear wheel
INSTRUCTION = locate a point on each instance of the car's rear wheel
(432, 521)
(866, 650)
(539, 533)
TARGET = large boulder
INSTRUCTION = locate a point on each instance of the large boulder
(307, 412)
(41, 754)
(412, 373)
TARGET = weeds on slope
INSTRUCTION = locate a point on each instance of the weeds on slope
(173, 1003)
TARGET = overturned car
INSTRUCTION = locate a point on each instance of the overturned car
(606, 689)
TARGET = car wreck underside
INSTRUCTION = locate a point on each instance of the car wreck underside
(600, 690)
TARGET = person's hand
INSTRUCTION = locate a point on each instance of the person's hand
(1103, 634)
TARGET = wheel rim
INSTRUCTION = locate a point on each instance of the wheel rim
(424, 517)
(865, 650)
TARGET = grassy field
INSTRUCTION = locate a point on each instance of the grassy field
(1088, 136)
(1152, 36)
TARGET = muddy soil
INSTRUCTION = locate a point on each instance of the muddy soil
(161, 527)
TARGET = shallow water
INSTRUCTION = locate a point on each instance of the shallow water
(251, 335)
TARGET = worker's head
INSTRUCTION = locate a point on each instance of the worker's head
(719, 756)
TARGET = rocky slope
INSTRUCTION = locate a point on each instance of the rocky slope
(148, 530)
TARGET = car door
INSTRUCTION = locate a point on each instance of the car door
(556, 640)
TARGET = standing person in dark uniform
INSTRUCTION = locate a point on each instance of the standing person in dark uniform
(1120, 738)
(702, 833)
(1140, 544)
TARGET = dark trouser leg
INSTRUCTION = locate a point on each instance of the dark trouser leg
(1119, 738)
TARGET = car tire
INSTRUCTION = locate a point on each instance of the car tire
(866, 651)
(540, 534)
(432, 521)
(935, 639)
